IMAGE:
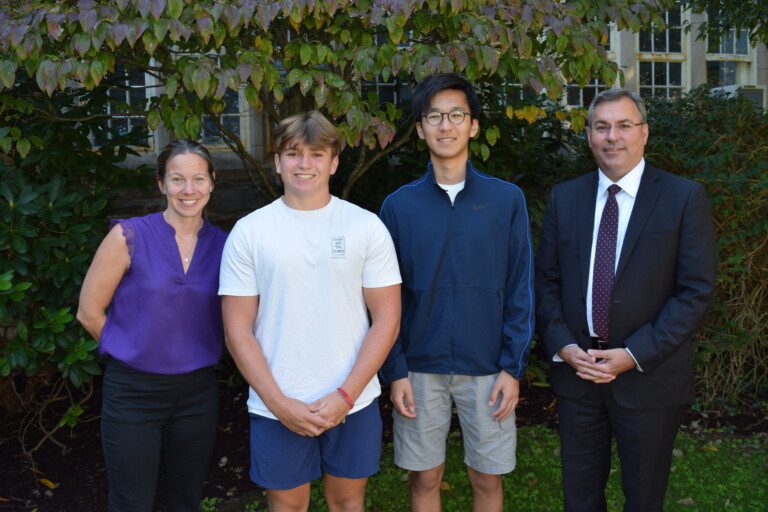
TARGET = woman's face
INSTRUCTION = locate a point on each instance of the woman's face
(187, 185)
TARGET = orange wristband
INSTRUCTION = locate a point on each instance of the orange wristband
(346, 397)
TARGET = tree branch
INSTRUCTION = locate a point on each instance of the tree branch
(236, 145)
(361, 168)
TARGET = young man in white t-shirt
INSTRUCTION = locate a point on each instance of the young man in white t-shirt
(298, 278)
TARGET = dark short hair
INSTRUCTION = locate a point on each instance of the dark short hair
(182, 147)
(615, 95)
(309, 128)
(427, 88)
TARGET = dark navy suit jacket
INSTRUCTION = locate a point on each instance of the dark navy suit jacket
(662, 287)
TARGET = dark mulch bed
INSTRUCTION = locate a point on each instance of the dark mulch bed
(80, 477)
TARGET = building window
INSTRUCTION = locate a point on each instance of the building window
(230, 118)
(386, 91)
(727, 59)
(668, 40)
(392, 90)
(661, 58)
(721, 73)
(582, 97)
(734, 42)
(128, 95)
(662, 79)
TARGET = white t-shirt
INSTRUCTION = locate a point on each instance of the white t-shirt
(309, 269)
(453, 190)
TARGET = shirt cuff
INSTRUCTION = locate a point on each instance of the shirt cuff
(558, 359)
(637, 365)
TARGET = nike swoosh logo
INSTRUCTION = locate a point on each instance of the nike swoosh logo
(481, 206)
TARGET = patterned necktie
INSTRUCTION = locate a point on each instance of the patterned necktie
(605, 264)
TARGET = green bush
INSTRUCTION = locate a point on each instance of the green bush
(56, 189)
(722, 142)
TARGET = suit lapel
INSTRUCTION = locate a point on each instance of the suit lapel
(586, 201)
(646, 198)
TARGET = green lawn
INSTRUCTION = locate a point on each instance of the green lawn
(711, 471)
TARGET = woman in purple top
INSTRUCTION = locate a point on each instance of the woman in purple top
(159, 276)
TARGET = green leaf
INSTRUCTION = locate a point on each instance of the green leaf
(22, 331)
(172, 85)
(279, 94)
(306, 54)
(150, 42)
(156, 8)
(8, 73)
(306, 83)
(178, 121)
(5, 366)
(27, 194)
(75, 376)
(81, 43)
(90, 367)
(46, 76)
(205, 28)
(201, 79)
(293, 76)
(174, 8)
(35, 140)
(82, 70)
(391, 111)
(219, 34)
(485, 152)
(6, 144)
(252, 96)
(97, 71)
(193, 126)
(153, 119)
(395, 30)
(23, 286)
(19, 356)
(491, 135)
(23, 146)
(232, 18)
(160, 28)
(322, 53)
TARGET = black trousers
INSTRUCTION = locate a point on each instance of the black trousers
(157, 428)
(644, 440)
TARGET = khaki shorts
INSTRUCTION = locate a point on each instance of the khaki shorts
(489, 445)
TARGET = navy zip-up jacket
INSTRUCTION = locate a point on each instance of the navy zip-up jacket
(467, 272)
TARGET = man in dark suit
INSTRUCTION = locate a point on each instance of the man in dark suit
(624, 274)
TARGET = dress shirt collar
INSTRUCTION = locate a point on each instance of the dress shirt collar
(629, 183)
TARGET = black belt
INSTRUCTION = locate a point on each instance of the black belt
(598, 343)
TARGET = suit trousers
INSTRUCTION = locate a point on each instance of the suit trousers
(644, 439)
(157, 429)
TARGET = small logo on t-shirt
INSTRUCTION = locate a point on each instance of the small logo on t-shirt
(337, 247)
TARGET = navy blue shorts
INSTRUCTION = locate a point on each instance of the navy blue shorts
(282, 459)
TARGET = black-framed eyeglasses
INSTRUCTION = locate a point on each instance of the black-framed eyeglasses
(604, 128)
(455, 116)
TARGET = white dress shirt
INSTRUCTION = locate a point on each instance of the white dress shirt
(625, 198)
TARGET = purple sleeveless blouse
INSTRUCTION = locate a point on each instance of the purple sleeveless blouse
(160, 319)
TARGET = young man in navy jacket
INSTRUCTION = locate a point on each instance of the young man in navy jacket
(464, 247)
